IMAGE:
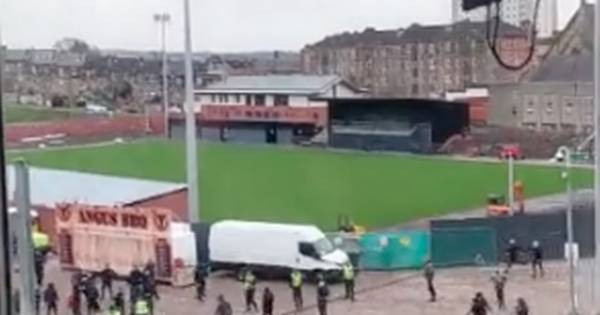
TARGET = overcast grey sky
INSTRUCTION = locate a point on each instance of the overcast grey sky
(218, 25)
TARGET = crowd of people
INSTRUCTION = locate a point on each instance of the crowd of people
(86, 295)
(142, 292)
(296, 282)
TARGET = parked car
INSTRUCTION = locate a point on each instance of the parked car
(508, 150)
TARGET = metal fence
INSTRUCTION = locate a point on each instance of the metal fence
(463, 246)
(547, 228)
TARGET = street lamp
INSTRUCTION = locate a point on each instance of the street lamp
(163, 19)
(566, 154)
(190, 122)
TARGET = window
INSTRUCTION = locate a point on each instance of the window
(213, 98)
(259, 100)
(414, 53)
(226, 98)
(281, 100)
(415, 73)
(238, 99)
(530, 107)
(569, 108)
(549, 108)
(415, 89)
(249, 100)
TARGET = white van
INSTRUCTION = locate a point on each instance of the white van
(273, 247)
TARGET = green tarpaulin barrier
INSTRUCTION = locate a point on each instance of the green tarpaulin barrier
(398, 250)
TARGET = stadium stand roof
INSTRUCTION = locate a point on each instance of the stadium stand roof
(288, 84)
(49, 187)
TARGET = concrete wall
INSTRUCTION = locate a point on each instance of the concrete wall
(247, 134)
(285, 135)
(211, 134)
(177, 129)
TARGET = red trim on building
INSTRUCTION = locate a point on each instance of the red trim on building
(294, 115)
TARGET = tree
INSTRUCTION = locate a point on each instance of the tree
(73, 45)
(122, 90)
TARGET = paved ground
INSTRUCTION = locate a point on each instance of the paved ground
(382, 293)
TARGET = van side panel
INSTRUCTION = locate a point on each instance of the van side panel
(235, 243)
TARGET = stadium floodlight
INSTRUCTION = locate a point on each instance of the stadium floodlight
(190, 122)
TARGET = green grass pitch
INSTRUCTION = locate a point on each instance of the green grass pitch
(25, 113)
(311, 186)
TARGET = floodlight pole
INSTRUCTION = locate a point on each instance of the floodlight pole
(163, 19)
(190, 123)
(570, 238)
(596, 284)
(511, 182)
(5, 265)
(24, 241)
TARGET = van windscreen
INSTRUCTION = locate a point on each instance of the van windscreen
(324, 246)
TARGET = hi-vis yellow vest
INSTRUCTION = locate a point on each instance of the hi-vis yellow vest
(249, 281)
(348, 272)
(141, 308)
(296, 279)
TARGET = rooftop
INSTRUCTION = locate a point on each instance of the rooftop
(288, 84)
(49, 187)
(576, 67)
(416, 33)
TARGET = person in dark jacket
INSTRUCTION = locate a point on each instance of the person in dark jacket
(522, 307)
(479, 305)
(200, 282)
(499, 280)
(51, 299)
(107, 275)
(268, 300)
(39, 261)
(537, 259)
(429, 273)
(75, 298)
(37, 296)
(322, 295)
(91, 297)
(512, 253)
(119, 301)
(223, 308)
(136, 285)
